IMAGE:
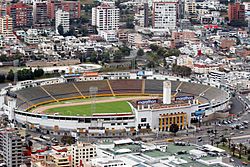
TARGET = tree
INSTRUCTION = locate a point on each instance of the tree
(233, 149)
(240, 149)
(153, 47)
(238, 23)
(117, 56)
(181, 70)
(217, 143)
(223, 140)
(174, 128)
(2, 78)
(93, 57)
(60, 29)
(140, 52)
(245, 149)
(38, 72)
(229, 142)
(130, 25)
(10, 75)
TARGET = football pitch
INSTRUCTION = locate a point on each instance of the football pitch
(89, 109)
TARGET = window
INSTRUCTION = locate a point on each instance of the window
(143, 119)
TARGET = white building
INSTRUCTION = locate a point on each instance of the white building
(11, 148)
(6, 26)
(105, 17)
(109, 36)
(62, 18)
(82, 153)
(164, 14)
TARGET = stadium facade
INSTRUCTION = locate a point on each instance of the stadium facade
(174, 100)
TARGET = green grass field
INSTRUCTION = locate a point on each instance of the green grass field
(85, 110)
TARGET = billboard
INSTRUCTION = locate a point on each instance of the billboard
(149, 101)
(184, 98)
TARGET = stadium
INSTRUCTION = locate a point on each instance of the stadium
(97, 103)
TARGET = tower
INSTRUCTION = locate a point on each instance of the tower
(166, 92)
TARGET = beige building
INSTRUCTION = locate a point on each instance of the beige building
(190, 7)
(82, 153)
(6, 26)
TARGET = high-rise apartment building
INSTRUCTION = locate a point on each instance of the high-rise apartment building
(6, 25)
(73, 7)
(236, 11)
(82, 153)
(62, 18)
(164, 14)
(11, 148)
(21, 15)
(52, 7)
(105, 17)
(40, 14)
(189, 7)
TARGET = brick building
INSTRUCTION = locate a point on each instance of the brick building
(236, 11)
(21, 15)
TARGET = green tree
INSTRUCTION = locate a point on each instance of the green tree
(233, 149)
(2, 78)
(38, 72)
(10, 75)
(240, 149)
(117, 56)
(174, 128)
(153, 47)
(125, 50)
(223, 140)
(140, 52)
(93, 57)
(60, 29)
(130, 25)
(181, 70)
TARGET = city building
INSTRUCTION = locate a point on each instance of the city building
(6, 25)
(21, 15)
(164, 14)
(82, 153)
(190, 7)
(105, 17)
(236, 11)
(73, 7)
(11, 147)
(40, 14)
(52, 7)
(62, 18)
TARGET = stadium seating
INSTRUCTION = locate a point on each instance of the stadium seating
(193, 88)
(126, 86)
(102, 86)
(34, 95)
(60, 91)
(216, 94)
(153, 86)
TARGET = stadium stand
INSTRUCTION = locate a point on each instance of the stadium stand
(34, 95)
(102, 86)
(153, 86)
(126, 86)
(214, 93)
(193, 88)
(60, 91)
